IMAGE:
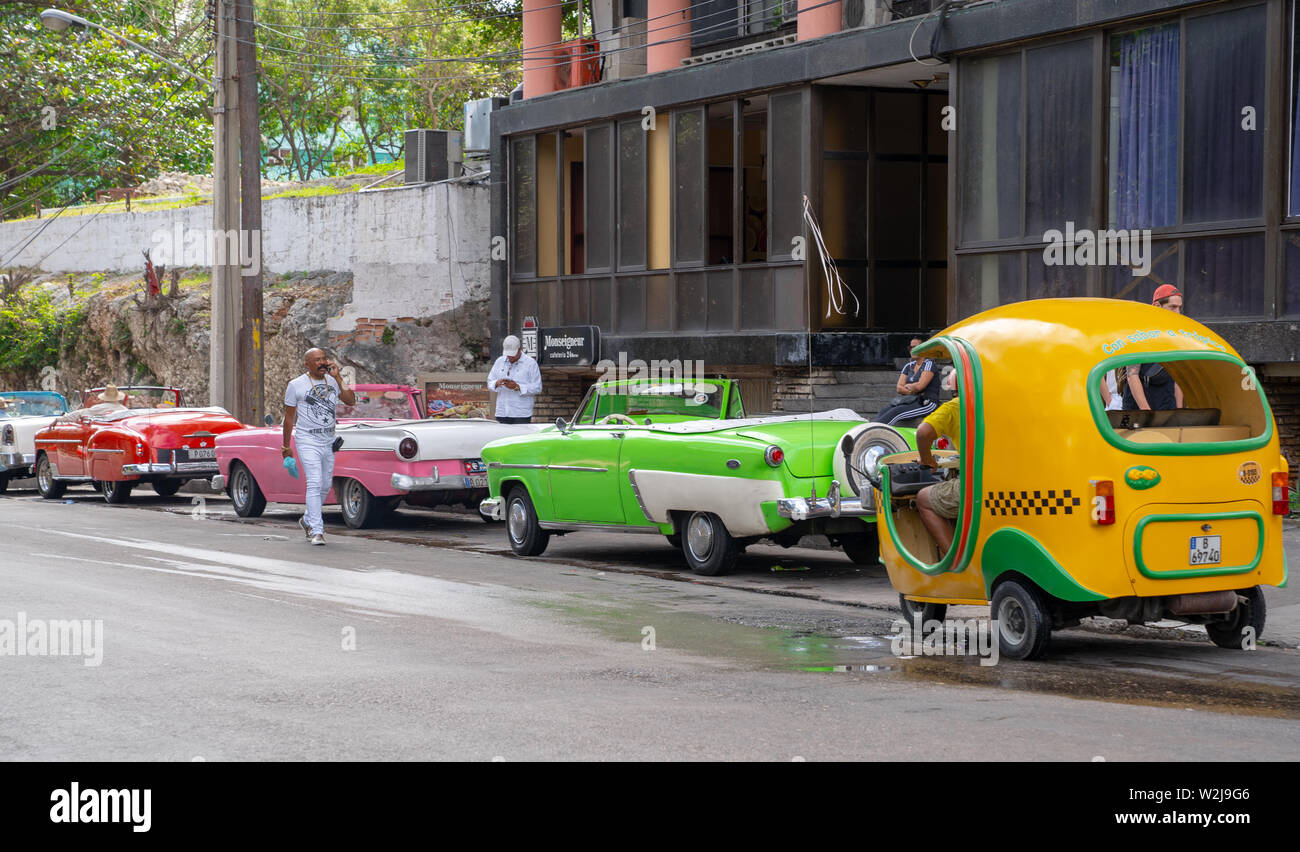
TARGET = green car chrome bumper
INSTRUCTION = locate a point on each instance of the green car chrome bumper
(831, 506)
(494, 508)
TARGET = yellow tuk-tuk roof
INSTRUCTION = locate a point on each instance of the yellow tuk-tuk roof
(1044, 336)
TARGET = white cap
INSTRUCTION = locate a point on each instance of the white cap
(510, 345)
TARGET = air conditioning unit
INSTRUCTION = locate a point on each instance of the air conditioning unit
(856, 14)
(432, 155)
(478, 123)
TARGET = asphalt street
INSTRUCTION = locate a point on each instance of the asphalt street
(225, 639)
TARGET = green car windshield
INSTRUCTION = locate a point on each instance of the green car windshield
(662, 403)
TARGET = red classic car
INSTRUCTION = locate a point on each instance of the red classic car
(121, 437)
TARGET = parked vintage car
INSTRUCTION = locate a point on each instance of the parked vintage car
(22, 415)
(1076, 511)
(380, 463)
(681, 459)
(146, 437)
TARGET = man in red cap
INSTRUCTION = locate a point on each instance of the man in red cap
(1149, 385)
(1168, 296)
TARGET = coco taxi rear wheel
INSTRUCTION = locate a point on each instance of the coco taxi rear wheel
(1023, 621)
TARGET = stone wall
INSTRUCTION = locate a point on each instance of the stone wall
(1283, 394)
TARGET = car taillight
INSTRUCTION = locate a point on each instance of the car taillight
(1280, 502)
(8, 435)
(1103, 502)
(774, 455)
(408, 448)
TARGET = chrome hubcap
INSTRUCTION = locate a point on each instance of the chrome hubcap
(518, 521)
(43, 475)
(1012, 620)
(352, 498)
(699, 537)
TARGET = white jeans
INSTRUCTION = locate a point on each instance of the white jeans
(317, 462)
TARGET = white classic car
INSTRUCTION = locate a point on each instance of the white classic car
(22, 415)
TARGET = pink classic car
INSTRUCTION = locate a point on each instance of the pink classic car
(382, 461)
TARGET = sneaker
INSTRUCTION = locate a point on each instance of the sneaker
(318, 539)
(306, 528)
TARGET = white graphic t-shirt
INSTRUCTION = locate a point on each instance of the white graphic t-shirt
(315, 401)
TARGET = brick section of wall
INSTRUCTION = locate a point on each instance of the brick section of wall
(367, 330)
(561, 393)
(1283, 394)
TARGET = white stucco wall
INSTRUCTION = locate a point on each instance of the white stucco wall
(413, 251)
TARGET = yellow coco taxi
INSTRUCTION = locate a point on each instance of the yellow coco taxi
(1069, 510)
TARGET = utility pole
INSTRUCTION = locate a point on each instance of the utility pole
(252, 384)
(226, 290)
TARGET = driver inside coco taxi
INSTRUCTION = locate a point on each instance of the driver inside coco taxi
(938, 504)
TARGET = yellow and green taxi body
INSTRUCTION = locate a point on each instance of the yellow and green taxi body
(681, 459)
(1070, 510)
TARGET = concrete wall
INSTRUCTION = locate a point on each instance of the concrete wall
(413, 251)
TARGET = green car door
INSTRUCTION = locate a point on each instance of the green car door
(584, 470)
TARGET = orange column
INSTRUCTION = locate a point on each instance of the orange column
(668, 34)
(823, 20)
(541, 46)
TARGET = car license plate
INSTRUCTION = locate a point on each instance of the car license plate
(476, 481)
(210, 453)
(1205, 550)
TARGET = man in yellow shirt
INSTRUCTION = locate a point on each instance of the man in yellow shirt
(938, 504)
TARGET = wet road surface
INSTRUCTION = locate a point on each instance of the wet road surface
(225, 638)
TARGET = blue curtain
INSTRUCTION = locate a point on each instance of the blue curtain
(1146, 162)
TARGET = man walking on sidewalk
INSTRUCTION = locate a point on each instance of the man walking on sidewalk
(309, 417)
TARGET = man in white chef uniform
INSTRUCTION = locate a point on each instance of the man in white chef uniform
(309, 417)
(516, 380)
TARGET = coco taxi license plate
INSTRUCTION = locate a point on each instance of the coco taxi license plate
(1205, 550)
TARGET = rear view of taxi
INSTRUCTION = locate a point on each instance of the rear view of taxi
(1070, 510)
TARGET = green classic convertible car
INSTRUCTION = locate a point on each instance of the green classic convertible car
(681, 459)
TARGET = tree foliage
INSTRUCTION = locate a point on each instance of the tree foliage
(80, 111)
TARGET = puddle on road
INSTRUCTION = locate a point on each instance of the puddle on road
(1082, 666)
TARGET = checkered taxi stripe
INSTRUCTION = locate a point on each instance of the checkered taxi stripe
(1031, 502)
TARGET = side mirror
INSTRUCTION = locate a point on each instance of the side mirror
(561, 424)
(269, 420)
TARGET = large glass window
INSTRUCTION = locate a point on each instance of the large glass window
(988, 122)
(523, 164)
(1144, 127)
(787, 134)
(1058, 136)
(632, 195)
(690, 209)
(722, 170)
(598, 231)
(1223, 156)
